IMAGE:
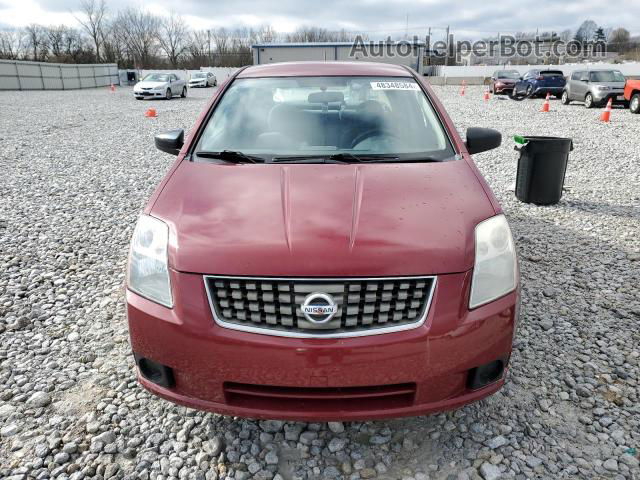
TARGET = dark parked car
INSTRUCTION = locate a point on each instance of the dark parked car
(540, 82)
(323, 247)
(503, 81)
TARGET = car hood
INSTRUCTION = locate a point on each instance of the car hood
(508, 81)
(203, 79)
(151, 84)
(322, 220)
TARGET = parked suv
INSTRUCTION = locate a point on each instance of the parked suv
(323, 248)
(594, 87)
(540, 82)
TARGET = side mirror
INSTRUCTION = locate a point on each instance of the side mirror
(482, 139)
(170, 141)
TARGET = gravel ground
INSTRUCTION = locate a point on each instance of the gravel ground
(77, 168)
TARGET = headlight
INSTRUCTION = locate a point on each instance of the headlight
(603, 87)
(494, 273)
(148, 267)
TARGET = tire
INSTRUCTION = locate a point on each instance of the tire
(215, 82)
(139, 98)
(565, 98)
(634, 105)
(588, 101)
(168, 95)
(530, 91)
(184, 92)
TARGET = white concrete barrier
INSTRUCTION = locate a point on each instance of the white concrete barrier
(20, 75)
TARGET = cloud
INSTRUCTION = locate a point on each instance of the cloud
(378, 18)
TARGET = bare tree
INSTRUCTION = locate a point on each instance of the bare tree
(566, 35)
(139, 32)
(37, 41)
(92, 20)
(266, 34)
(316, 34)
(56, 36)
(586, 32)
(619, 39)
(198, 48)
(172, 35)
(309, 34)
(113, 44)
(221, 40)
(12, 42)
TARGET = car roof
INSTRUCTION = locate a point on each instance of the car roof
(329, 69)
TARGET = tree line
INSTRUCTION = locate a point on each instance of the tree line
(135, 38)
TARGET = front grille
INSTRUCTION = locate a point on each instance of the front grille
(337, 400)
(365, 306)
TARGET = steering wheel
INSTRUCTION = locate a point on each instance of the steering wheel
(374, 132)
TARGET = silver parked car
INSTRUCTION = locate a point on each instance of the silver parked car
(594, 87)
(203, 79)
(160, 85)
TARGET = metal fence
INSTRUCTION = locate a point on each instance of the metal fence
(19, 75)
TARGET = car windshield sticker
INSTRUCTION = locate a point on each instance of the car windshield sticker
(394, 86)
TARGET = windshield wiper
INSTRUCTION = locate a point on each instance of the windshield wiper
(231, 156)
(335, 158)
(352, 158)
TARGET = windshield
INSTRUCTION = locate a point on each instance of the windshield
(607, 76)
(513, 74)
(316, 116)
(156, 77)
(199, 75)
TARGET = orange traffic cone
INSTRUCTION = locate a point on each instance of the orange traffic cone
(606, 115)
(545, 106)
(486, 95)
(151, 113)
(464, 86)
(112, 88)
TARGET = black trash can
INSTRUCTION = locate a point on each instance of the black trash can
(541, 169)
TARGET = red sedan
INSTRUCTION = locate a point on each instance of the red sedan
(323, 248)
(503, 81)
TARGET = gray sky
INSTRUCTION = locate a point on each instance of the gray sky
(468, 19)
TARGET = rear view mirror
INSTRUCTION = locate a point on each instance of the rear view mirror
(482, 139)
(170, 141)
(325, 97)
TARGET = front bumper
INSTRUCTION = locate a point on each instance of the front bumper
(503, 88)
(601, 97)
(413, 372)
(148, 93)
(197, 84)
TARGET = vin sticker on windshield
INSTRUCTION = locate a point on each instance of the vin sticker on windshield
(394, 86)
